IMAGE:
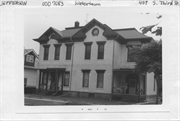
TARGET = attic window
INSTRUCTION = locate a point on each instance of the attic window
(51, 35)
(30, 58)
(95, 32)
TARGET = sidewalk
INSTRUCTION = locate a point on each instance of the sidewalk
(74, 100)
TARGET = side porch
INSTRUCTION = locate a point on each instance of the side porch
(128, 85)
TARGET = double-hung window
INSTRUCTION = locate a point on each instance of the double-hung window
(100, 78)
(85, 82)
(25, 82)
(87, 50)
(68, 51)
(57, 51)
(66, 78)
(101, 50)
(131, 56)
(46, 51)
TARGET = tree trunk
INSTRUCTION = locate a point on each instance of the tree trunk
(157, 94)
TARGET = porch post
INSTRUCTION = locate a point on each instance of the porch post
(145, 86)
(112, 87)
(62, 82)
(56, 80)
(47, 80)
(39, 80)
(139, 77)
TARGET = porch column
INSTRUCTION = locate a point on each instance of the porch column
(112, 90)
(39, 80)
(139, 87)
(47, 80)
(62, 82)
(56, 80)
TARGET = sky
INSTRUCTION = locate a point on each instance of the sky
(38, 20)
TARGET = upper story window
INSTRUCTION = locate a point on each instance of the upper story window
(100, 78)
(25, 82)
(95, 32)
(46, 51)
(57, 51)
(68, 51)
(87, 50)
(66, 78)
(130, 56)
(30, 58)
(101, 50)
(85, 78)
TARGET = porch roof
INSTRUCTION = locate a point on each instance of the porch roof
(123, 69)
(53, 69)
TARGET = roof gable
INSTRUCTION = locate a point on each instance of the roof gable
(27, 51)
(49, 33)
(108, 32)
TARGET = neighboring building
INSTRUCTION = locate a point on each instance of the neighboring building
(92, 61)
(30, 70)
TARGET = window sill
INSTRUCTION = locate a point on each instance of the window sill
(65, 86)
(97, 88)
(85, 87)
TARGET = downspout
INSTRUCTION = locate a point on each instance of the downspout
(72, 56)
(112, 84)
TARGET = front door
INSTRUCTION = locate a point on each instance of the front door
(132, 86)
(132, 80)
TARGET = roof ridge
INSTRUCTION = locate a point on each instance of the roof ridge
(124, 29)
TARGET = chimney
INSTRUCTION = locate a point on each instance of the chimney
(76, 25)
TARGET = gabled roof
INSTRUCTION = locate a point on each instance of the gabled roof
(26, 51)
(79, 33)
(108, 32)
(45, 36)
(69, 32)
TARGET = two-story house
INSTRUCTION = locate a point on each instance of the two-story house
(30, 70)
(92, 61)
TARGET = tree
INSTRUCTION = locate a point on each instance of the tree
(149, 56)
(149, 59)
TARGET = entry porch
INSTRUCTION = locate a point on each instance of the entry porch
(128, 85)
(51, 81)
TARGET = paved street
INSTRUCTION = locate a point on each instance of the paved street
(35, 100)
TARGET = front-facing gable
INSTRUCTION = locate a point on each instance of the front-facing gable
(95, 34)
(48, 34)
(81, 34)
(30, 57)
